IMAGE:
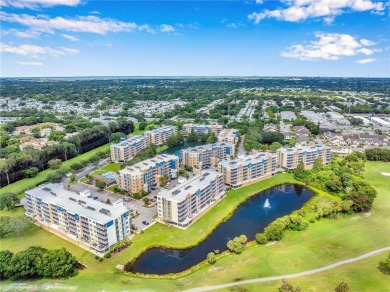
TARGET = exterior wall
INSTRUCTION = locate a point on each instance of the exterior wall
(196, 200)
(206, 129)
(291, 157)
(202, 157)
(90, 234)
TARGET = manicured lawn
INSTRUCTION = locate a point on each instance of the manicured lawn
(109, 167)
(28, 183)
(324, 242)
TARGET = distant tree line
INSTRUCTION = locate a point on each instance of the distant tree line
(29, 162)
(378, 154)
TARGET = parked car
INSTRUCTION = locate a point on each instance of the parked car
(155, 197)
(95, 198)
(145, 223)
(127, 199)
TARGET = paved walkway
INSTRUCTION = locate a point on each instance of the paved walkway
(257, 280)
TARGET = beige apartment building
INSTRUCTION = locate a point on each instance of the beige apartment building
(248, 169)
(159, 136)
(228, 136)
(147, 173)
(185, 203)
(205, 129)
(127, 149)
(90, 224)
(206, 155)
(289, 158)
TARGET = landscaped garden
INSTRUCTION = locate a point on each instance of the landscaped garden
(322, 243)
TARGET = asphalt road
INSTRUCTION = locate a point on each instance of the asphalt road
(306, 273)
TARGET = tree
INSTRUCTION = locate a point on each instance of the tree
(54, 177)
(172, 141)
(100, 184)
(384, 266)
(116, 137)
(318, 164)
(8, 200)
(286, 286)
(5, 258)
(23, 264)
(211, 258)
(31, 172)
(334, 185)
(270, 137)
(342, 287)
(237, 244)
(261, 238)
(54, 163)
(146, 200)
(361, 203)
(19, 224)
(142, 126)
(299, 171)
(192, 136)
(275, 146)
(57, 263)
(211, 138)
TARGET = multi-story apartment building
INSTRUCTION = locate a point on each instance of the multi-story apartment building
(206, 155)
(205, 129)
(147, 173)
(127, 149)
(93, 225)
(248, 169)
(159, 136)
(289, 158)
(185, 203)
(228, 136)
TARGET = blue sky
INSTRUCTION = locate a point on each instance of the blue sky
(195, 38)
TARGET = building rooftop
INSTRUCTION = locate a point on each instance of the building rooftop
(201, 148)
(74, 203)
(144, 165)
(190, 186)
(302, 148)
(262, 156)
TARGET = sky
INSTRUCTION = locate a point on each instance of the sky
(337, 38)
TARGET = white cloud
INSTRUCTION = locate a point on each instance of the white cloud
(70, 37)
(25, 34)
(235, 25)
(35, 51)
(34, 4)
(259, 1)
(365, 61)
(94, 12)
(329, 46)
(166, 28)
(299, 10)
(365, 42)
(30, 63)
(91, 24)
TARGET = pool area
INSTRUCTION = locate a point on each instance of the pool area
(108, 175)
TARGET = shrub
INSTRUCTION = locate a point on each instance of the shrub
(107, 255)
(237, 245)
(211, 258)
(261, 238)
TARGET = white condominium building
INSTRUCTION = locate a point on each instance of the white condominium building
(185, 203)
(91, 224)
(289, 158)
(206, 155)
(228, 136)
(159, 136)
(248, 169)
(127, 149)
(205, 129)
(147, 173)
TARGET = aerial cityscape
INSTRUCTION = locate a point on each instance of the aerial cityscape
(195, 145)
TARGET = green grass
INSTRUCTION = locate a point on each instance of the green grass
(109, 167)
(137, 131)
(111, 188)
(27, 183)
(324, 242)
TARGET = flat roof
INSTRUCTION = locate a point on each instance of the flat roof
(146, 164)
(302, 148)
(246, 159)
(190, 186)
(206, 147)
(74, 203)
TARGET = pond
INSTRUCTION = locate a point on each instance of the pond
(250, 218)
(184, 145)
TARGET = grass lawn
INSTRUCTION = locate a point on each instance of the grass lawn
(137, 131)
(324, 242)
(28, 183)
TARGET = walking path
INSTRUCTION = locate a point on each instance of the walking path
(310, 272)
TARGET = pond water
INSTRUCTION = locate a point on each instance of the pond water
(250, 218)
(184, 145)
